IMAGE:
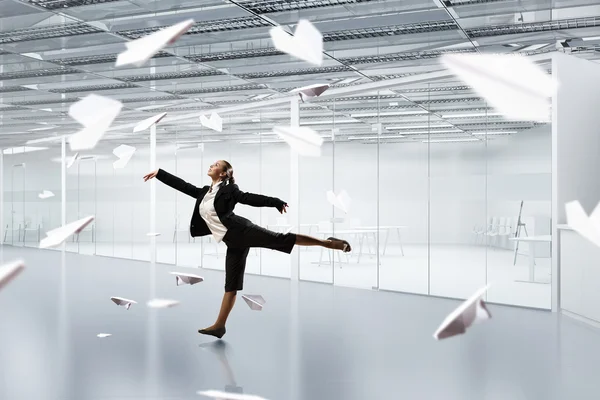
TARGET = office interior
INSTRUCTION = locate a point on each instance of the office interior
(447, 194)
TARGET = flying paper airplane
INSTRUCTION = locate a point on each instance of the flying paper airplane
(220, 395)
(120, 301)
(96, 114)
(311, 91)
(162, 303)
(153, 234)
(513, 85)
(306, 44)
(56, 236)
(588, 227)
(341, 201)
(148, 122)
(304, 140)
(9, 271)
(104, 335)
(46, 194)
(124, 152)
(141, 50)
(470, 312)
(186, 279)
(254, 301)
(72, 160)
(215, 122)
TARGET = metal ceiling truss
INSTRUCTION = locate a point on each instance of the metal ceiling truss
(11, 89)
(235, 55)
(61, 4)
(94, 88)
(37, 73)
(532, 27)
(47, 32)
(220, 89)
(272, 6)
(293, 72)
(392, 30)
(97, 59)
(170, 75)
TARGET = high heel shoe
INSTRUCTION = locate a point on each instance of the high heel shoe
(347, 248)
(218, 333)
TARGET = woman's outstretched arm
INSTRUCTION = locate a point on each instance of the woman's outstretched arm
(258, 200)
(175, 182)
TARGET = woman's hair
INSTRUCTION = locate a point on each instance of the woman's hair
(228, 169)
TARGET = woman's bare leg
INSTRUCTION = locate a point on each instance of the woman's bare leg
(226, 307)
(303, 240)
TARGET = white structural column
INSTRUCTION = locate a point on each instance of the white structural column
(63, 186)
(153, 195)
(294, 211)
(2, 204)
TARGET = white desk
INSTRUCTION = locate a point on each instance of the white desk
(531, 241)
(387, 229)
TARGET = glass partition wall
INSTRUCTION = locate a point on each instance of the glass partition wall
(436, 192)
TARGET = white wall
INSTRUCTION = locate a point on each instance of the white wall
(576, 145)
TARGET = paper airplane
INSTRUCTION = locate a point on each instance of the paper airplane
(470, 312)
(104, 335)
(302, 139)
(46, 194)
(311, 91)
(141, 50)
(588, 227)
(120, 301)
(72, 160)
(341, 201)
(124, 152)
(254, 301)
(96, 114)
(186, 279)
(152, 234)
(162, 303)
(306, 44)
(56, 236)
(513, 85)
(148, 122)
(220, 395)
(215, 122)
(9, 271)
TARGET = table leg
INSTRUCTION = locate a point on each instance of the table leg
(531, 261)
(387, 234)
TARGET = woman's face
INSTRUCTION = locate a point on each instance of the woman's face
(215, 171)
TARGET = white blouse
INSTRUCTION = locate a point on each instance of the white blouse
(209, 215)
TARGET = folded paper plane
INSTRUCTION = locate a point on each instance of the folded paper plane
(141, 50)
(153, 234)
(124, 152)
(470, 312)
(46, 194)
(220, 395)
(513, 85)
(72, 160)
(254, 301)
(588, 227)
(104, 335)
(120, 301)
(304, 140)
(311, 91)
(306, 44)
(9, 271)
(96, 114)
(148, 122)
(162, 303)
(186, 279)
(215, 122)
(57, 236)
(341, 201)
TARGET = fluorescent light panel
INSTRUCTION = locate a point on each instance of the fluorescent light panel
(22, 149)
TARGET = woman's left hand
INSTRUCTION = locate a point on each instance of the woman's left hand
(284, 208)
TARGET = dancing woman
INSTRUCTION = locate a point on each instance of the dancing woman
(213, 214)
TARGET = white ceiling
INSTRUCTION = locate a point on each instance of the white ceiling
(53, 52)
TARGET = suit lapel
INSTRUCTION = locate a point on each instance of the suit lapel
(220, 192)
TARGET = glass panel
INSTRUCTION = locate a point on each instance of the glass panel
(107, 191)
(519, 190)
(17, 188)
(86, 194)
(167, 224)
(457, 185)
(355, 173)
(315, 179)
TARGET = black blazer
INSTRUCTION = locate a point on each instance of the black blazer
(225, 202)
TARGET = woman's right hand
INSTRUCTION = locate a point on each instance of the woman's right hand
(150, 175)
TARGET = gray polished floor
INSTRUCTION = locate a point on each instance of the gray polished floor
(311, 341)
